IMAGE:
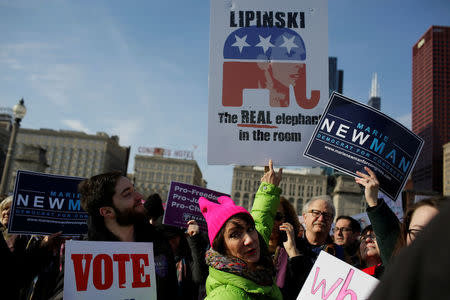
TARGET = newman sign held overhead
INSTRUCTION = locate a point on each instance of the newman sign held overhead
(352, 135)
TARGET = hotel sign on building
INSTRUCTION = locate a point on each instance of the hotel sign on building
(181, 154)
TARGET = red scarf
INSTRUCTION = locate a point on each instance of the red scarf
(371, 270)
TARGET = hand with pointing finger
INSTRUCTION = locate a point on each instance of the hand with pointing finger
(271, 177)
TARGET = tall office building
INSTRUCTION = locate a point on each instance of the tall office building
(71, 153)
(335, 84)
(335, 76)
(431, 104)
(153, 174)
(374, 98)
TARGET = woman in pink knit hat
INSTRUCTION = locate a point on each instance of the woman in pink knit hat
(240, 266)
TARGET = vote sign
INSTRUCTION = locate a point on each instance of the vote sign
(109, 270)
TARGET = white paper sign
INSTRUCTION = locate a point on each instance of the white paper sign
(418, 198)
(333, 279)
(268, 80)
(109, 270)
(396, 206)
(363, 219)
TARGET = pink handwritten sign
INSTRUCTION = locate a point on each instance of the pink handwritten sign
(332, 279)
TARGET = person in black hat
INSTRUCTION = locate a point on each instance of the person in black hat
(154, 209)
(189, 248)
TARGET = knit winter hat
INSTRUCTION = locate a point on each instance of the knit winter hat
(216, 214)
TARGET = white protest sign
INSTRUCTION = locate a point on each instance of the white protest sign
(268, 79)
(396, 206)
(418, 198)
(109, 270)
(332, 279)
(363, 219)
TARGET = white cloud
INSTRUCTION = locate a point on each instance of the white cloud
(127, 130)
(18, 4)
(56, 82)
(15, 50)
(13, 55)
(76, 125)
(170, 67)
(406, 120)
(12, 63)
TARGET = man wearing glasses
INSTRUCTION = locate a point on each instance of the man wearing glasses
(318, 214)
(346, 232)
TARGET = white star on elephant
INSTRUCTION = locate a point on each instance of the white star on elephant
(240, 42)
(289, 44)
(265, 43)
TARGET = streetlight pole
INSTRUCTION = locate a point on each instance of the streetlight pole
(19, 112)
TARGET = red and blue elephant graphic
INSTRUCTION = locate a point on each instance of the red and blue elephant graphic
(266, 58)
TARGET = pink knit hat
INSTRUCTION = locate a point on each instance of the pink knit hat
(216, 214)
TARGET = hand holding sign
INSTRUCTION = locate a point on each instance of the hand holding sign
(371, 184)
(193, 228)
(351, 135)
(52, 242)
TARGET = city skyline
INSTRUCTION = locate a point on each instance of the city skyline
(141, 72)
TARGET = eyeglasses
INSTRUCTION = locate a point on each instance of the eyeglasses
(413, 233)
(342, 229)
(279, 216)
(317, 213)
(366, 236)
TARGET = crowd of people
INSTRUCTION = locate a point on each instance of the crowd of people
(262, 254)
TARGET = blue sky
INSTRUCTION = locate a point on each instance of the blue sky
(139, 69)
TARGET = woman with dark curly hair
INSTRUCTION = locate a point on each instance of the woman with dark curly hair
(282, 247)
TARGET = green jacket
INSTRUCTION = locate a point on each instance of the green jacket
(224, 285)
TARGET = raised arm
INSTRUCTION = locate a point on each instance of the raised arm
(385, 223)
(266, 202)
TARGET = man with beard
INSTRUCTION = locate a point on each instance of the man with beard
(116, 213)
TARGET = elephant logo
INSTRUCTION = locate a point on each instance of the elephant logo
(266, 58)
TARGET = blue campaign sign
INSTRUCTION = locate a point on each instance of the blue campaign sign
(351, 135)
(45, 204)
